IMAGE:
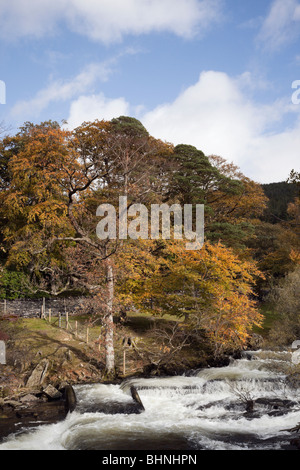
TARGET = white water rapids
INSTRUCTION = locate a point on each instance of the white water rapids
(205, 409)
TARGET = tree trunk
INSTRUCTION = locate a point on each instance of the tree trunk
(109, 321)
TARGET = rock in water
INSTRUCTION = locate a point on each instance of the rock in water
(70, 398)
(296, 357)
(136, 397)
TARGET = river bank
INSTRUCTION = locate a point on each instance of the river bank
(250, 404)
(42, 353)
(44, 361)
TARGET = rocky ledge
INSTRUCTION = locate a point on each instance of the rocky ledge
(34, 407)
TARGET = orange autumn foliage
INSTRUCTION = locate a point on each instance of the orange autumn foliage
(211, 290)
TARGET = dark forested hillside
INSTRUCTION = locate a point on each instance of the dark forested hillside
(279, 195)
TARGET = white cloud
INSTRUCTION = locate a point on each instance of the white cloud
(20, 18)
(297, 13)
(63, 90)
(216, 116)
(281, 26)
(92, 107)
(107, 20)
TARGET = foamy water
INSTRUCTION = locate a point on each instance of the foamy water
(205, 410)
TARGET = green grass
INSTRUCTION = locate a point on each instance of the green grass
(270, 316)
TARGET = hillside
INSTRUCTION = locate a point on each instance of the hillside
(142, 346)
(280, 195)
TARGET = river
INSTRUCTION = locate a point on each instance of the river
(246, 405)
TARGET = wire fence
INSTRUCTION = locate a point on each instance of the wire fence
(55, 313)
(81, 328)
(30, 308)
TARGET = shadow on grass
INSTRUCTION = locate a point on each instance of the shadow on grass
(46, 340)
(141, 324)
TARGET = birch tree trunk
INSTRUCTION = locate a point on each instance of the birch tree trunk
(109, 321)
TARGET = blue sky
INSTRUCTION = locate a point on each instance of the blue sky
(216, 74)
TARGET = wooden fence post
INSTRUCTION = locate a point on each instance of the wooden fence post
(124, 361)
(43, 308)
(2, 353)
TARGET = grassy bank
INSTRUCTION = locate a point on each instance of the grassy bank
(74, 348)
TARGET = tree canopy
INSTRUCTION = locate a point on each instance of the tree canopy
(51, 183)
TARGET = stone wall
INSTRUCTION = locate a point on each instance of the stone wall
(33, 308)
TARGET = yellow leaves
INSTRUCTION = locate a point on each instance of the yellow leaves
(211, 287)
(19, 256)
(34, 206)
(295, 256)
(57, 181)
(36, 171)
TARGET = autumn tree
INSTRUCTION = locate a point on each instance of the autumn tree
(121, 159)
(33, 202)
(210, 290)
(44, 206)
(54, 181)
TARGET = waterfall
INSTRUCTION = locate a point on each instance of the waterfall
(246, 405)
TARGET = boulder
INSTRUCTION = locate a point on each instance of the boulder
(52, 392)
(296, 344)
(70, 398)
(295, 442)
(255, 342)
(29, 398)
(114, 407)
(38, 375)
(31, 410)
(296, 357)
(136, 397)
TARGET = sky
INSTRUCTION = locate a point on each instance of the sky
(222, 75)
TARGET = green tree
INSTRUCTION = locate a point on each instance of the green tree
(196, 180)
(285, 297)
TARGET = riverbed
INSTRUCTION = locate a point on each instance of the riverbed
(247, 405)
